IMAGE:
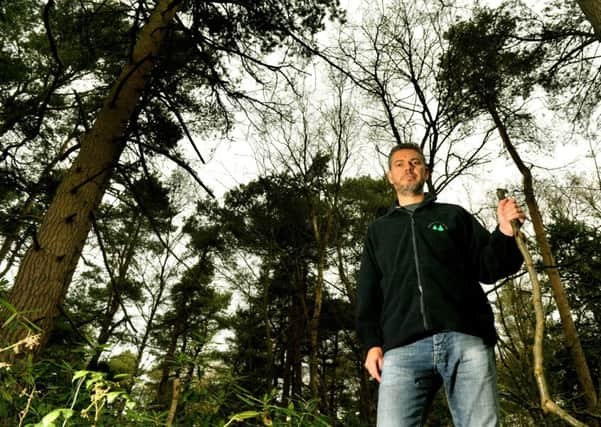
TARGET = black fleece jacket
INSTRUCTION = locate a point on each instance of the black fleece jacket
(421, 271)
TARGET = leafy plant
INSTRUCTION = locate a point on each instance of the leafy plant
(267, 412)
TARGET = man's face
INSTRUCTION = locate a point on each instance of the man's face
(407, 173)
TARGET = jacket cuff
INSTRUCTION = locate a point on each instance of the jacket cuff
(502, 235)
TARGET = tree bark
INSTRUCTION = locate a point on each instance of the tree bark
(47, 268)
(177, 388)
(592, 11)
(268, 335)
(572, 339)
(321, 241)
(25, 210)
(168, 365)
(296, 320)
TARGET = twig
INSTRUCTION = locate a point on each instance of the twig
(23, 413)
(79, 384)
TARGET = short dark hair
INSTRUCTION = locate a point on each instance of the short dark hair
(405, 146)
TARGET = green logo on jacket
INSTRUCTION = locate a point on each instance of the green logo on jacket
(438, 226)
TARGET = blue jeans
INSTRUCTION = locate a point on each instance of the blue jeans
(412, 374)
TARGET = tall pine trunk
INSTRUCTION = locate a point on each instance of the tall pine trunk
(47, 267)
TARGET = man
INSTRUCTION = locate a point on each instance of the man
(422, 313)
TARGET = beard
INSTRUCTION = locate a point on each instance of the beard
(411, 189)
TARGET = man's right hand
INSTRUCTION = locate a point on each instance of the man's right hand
(373, 362)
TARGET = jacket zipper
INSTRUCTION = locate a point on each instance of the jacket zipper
(420, 288)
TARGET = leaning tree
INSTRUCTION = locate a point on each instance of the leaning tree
(210, 36)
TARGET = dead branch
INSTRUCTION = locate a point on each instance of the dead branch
(547, 404)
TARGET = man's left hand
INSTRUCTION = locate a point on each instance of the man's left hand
(507, 211)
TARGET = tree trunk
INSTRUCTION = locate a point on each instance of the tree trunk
(367, 396)
(114, 300)
(177, 388)
(335, 386)
(26, 208)
(292, 387)
(105, 332)
(321, 241)
(292, 374)
(14, 234)
(156, 301)
(47, 268)
(559, 294)
(295, 350)
(298, 319)
(268, 335)
(592, 11)
(167, 365)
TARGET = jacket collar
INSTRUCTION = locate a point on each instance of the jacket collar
(428, 199)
